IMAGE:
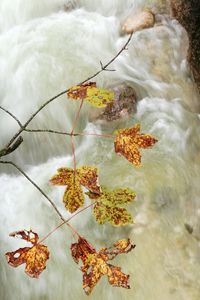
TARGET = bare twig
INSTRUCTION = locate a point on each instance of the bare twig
(35, 185)
(43, 193)
(69, 134)
(106, 69)
(5, 151)
(11, 114)
(69, 219)
(49, 131)
(103, 68)
(96, 135)
(74, 156)
(77, 116)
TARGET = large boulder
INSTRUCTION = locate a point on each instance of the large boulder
(187, 12)
(123, 105)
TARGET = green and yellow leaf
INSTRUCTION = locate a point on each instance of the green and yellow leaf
(128, 141)
(97, 97)
(108, 208)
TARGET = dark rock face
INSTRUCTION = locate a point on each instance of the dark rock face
(187, 12)
(123, 105)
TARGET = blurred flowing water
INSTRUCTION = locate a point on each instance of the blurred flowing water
(47, 46)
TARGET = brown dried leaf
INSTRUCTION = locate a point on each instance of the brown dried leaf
(79, 92)
(27, 235)
(73, 197)
(95, 263)
(81, 250)
(120, 247)
(128, 141)
(34, 257)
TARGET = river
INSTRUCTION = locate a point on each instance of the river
(48, 46)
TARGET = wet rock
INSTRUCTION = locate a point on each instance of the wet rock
(189, 228)
(123, 105)
(188, 15)
(136, 22)
(69, 6)
(160, 7)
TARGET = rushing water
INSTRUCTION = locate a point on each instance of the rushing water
(46, 46)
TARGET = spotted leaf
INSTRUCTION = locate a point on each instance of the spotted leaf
(107, 207)
(34, 257)
(79, 92)
(95, 264)
(84, 176)
(97, 97)
(128, 142)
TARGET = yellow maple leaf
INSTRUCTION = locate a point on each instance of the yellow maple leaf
(128, 141)
(73, 197)
(97, 97)
(34, 257)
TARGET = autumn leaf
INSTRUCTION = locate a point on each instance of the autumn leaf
(108, 208)
(79, 92)
(97, 97)
(95, 264)
(84, 176)
(34, 257)
(128, 141)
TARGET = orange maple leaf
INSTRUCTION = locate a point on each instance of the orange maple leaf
(95, 263)
(80, 91)
(34, 257)
(74, 197)
(128, 141)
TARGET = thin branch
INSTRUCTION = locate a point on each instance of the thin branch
(77, 116)
(110, 70)
(9, 149)
(101, 64)
(103, 68)
(69, 219)
(74, 156)
(43, 193)
(69, 134)
(13, 116)
(14, 137)
(5, 151)
(35, 185)
(96, 135)
(50, 131)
